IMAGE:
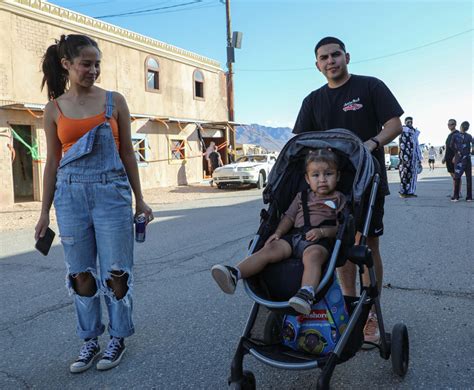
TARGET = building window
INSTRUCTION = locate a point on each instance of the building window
(198, 77)
(141, 148)
(152, 75)
(177, 149)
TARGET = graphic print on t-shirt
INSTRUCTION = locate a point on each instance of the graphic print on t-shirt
(353, 105)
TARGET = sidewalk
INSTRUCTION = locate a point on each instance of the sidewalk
(25, 215)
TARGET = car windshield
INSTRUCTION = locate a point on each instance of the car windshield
(252, 159)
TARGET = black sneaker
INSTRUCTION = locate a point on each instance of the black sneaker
(225, 277)
(112, 355)
(453, 199)
(302, 301)
(89, 352)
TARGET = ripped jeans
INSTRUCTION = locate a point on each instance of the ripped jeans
(95, 221)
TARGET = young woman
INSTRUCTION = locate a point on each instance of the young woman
(90, 167)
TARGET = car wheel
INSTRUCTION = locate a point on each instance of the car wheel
(260, 181)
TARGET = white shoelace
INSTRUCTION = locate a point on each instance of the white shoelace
(112, 347)
(87, 349)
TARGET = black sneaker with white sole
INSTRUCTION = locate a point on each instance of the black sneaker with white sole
(226, 277)
(112, 354)
(90, 350)
(302, 301)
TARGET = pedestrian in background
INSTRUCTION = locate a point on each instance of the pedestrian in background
(431, 158)
(461, 144)
(215, 159)
(207, 153)
(449, 154)
(90, 167)
(410, 159)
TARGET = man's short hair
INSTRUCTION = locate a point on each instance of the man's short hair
(327, 41)
(465, 125)
(408, 118)
(453, 120)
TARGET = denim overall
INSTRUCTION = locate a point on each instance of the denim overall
(93, 205)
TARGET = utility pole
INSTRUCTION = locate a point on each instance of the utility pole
(230, 68)
(234, 40)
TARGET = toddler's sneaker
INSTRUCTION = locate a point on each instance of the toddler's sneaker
(88, 353)
(302, 301)
(226, 277)
(112, 355)
(371, 329)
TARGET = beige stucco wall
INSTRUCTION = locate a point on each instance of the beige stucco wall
(28, 27)
(23, 42)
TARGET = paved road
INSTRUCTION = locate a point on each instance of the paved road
(187, 330)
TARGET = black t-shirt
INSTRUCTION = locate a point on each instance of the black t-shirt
(363, 104)
(214, 157)
(449, 154)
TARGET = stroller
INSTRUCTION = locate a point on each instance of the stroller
(272, 288)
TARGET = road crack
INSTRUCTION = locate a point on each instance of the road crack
(17, 379)
(434, 292)
(6, 325)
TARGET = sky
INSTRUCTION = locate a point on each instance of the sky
(422, 50)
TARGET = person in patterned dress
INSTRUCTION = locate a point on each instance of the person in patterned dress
(461, 145)
(410, 159)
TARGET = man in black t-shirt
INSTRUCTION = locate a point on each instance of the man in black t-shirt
(449, 152)
(365, 106)
(215, 159)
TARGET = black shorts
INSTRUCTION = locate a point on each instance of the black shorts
(376, 224)
(431, 160)
(299, 244)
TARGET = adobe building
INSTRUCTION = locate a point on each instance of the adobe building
(177, 99)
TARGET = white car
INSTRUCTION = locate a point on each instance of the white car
(249, 169)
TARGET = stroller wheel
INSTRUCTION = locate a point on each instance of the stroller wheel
(246, 383)
(273, 328)
(400, 349)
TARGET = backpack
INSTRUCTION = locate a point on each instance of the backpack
(318, 332)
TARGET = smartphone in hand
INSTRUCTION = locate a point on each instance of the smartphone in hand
(44, 243)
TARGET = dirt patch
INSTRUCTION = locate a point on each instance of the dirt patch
(25, 215)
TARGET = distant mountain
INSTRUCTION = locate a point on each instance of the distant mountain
(270, 138)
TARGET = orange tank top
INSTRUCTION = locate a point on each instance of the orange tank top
(71, 129)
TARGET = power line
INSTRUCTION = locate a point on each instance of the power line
(185, 9)
(366, 60)
(146, 11)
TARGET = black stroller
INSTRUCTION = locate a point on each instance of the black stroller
(271, 289)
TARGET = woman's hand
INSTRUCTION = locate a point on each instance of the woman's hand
(273, 237)
(142, 208)
(41, 226)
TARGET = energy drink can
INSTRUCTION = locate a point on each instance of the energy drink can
(140, 227)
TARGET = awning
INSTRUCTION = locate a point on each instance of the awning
(21, 106)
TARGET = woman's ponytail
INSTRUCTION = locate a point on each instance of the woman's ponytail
(54, 75)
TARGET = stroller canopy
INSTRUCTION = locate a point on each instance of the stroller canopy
(342, 141)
